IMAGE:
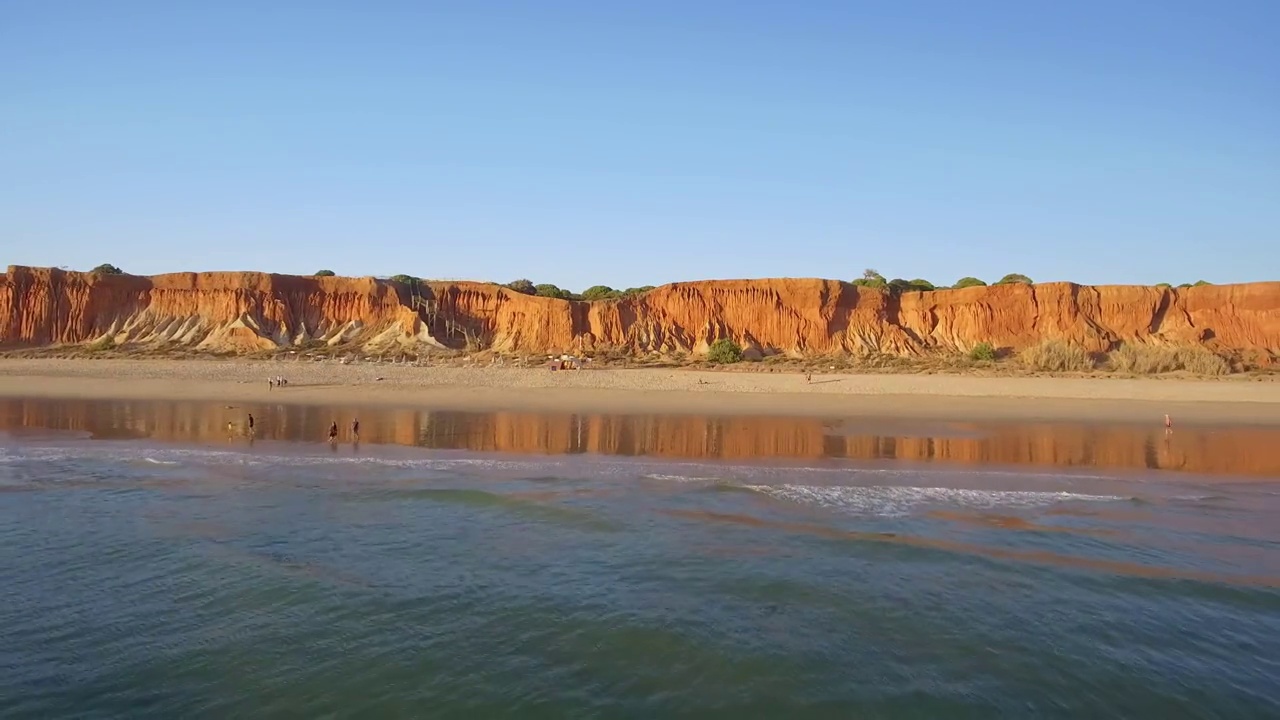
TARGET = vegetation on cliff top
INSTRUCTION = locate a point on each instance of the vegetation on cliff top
(1013, 278)
(871, 279)
(523, 286)
(107, 269)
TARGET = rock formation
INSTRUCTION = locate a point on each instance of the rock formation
(237, 312)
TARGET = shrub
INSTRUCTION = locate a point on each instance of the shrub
(917, 285)
(1201, 282)
(1202, 361)
(1013, 278)
(551, 291)
(965, 282)
(1163, 286)
(405, 279)
(324, 273)
(637, 290)
(1151, 360)
(522, 286)
(871, 279)
(1056, 356)
(107, 269)
(983, 351)
(599, 292)
(1185, 285)
(724, 352)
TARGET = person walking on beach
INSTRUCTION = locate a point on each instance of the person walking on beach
(270, 384)
(250, 423)
(333, 431)
(355, 429)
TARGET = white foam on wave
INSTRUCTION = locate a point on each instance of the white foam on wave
(178, 456)
(679, 472)
(791, 471)
(154, 461)
(894, 500)
(679, 478)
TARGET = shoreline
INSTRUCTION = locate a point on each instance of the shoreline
(651, 391)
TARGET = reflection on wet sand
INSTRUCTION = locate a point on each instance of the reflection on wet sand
(1230, 451)
(1037, 557)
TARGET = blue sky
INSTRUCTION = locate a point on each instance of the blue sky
(615, 143)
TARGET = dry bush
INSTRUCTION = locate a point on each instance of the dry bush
(1154, 359)
(1203, 362)
(1056, 356)
(1143, 360)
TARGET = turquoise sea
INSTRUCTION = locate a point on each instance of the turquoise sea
(154, 564)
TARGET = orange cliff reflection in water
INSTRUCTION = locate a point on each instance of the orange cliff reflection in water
(1242, 451)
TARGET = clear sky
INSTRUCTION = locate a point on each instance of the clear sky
(632, 143)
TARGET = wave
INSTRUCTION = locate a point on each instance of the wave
(897, 500)
(676, 472)
(679, 478)
(175, 456)
(155, 461)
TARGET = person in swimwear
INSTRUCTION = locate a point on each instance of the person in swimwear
(355, 429)
(333, 431)
(250, 423)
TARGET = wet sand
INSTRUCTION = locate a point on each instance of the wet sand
(942, 397)
(1228, 452)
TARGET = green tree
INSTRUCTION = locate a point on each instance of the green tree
(871, 279)
(599, 292)
(965, 282)
(1163, 285)
(1185, 285)
(920, 284)
(637, 290)
(1200, 283)
(724, 352)
(1013, 278)
(523, 286)
(107, 269)
(405, 279)
(324, 273)
(551, 291)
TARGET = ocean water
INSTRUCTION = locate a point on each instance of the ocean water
(155, 564)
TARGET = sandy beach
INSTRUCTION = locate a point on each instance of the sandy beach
(1237, 400)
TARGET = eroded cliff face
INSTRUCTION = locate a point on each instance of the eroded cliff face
(239, 312)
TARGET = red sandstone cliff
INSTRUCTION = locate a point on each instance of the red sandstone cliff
(245, 311)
